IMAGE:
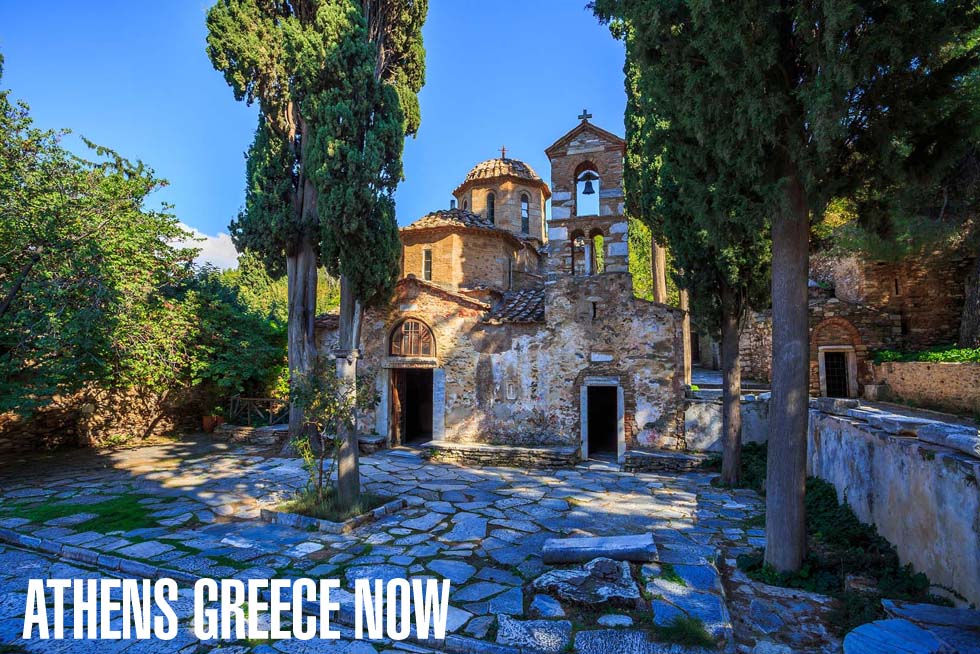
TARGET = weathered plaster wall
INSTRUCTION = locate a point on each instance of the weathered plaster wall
(924, 499)
(945, 386)
(519, 384)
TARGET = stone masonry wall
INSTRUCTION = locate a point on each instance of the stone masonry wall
(951, 387)
(519, 384)
(923, 498)
(116, 415)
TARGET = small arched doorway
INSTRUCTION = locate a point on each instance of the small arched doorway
(411, 358)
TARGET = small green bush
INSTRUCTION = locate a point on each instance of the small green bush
(941, 354)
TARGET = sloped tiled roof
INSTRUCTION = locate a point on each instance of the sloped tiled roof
(525, 305)
(498, 168)
(450, 218)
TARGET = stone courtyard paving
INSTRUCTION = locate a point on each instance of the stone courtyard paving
(194, 508)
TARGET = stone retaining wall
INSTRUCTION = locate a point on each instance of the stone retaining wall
(923, 498)
(945, 386)
(702, 420)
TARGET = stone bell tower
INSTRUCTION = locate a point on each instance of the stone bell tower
(587, 232)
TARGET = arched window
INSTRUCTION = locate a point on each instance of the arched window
(466, 205)
(525, 213)
(412, 338)
(598, 248)
(587, 190)
(491, 201)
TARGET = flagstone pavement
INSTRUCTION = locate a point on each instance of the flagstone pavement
(482, 528)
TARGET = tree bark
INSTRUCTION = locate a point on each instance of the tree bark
(348, 465)
(731, 395)
(788, 414)
(301, 281)
(658, 268)
(685, 306)
(970, 322)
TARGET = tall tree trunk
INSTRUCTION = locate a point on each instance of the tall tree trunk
(731, 394)
(970, 322)
(788, 413)
(658, 268)
(348, 466)
(685, 306)
(301, 293)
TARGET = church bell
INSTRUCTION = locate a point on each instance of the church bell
(588, 178)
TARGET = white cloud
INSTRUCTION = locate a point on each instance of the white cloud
(217, 250)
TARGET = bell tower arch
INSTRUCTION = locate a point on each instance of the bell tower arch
(588, 230)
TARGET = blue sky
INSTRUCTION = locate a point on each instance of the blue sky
(134, 76)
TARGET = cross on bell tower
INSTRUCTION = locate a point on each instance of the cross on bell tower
(585, 115)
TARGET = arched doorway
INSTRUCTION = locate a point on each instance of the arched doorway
(411, 357)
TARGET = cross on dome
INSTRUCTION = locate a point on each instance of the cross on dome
(503, 151)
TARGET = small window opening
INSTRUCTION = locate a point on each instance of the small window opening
(898, 289)
(525, 214)
(491, 208)
(427, 264)
(595, 310)
(466, 205)
(579, 263)
(598, 252)
(511, 391)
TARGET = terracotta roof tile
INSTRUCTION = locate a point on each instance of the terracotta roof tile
(525, 305)
(450, 218)
(501, 168)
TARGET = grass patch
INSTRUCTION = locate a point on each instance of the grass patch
(305, 503)
(668, 573)
(685, 630)
(841, 545)
(122, 513)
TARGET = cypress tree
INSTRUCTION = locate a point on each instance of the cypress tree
(802, 102)
(337, 85)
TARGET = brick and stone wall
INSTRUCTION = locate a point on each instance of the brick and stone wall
(507, 205)
(953, 387)
(467, 258)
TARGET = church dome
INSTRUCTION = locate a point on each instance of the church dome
(500, 168)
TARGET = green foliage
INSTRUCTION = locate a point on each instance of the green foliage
(685, 630)
(940, 354)
(97, 290)
(82, 262)
(325, 408)
(337, 84)
(841, 545)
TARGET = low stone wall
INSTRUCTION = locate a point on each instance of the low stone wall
(501, 455)
(945, 386)
(98, 417)
(923, 498)
(702, 420)
(662, 461)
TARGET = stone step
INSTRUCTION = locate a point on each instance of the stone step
(639, 548)
(662, 461)
(478, 454)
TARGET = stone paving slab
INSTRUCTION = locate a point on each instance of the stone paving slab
(482, 528)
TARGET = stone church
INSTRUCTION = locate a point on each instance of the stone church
(510, 329)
